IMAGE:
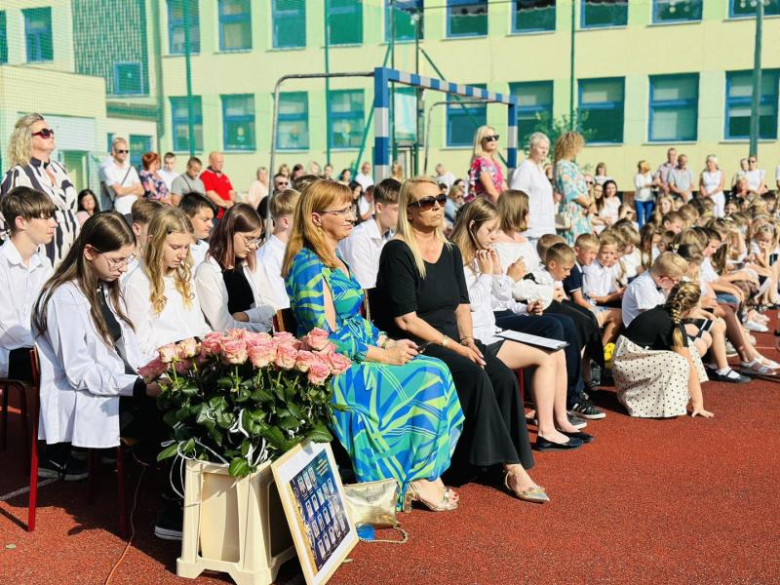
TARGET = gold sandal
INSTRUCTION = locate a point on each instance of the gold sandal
(446, 503)
(536, 494)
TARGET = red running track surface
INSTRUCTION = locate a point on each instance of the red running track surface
(649, 501)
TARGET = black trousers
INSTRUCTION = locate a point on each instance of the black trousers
(494, 432)
(587, 326)
(553, 326)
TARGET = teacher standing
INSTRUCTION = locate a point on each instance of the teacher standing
(29, 152)
(570, 182)
(531, 179)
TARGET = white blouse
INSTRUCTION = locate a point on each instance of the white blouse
(176, 322)
(82, 377)
(213, 295)
(483, 288)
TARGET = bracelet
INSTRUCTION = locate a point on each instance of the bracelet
(445, 341)
(385, 342)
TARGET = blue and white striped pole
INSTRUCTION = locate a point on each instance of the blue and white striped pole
(381, 123)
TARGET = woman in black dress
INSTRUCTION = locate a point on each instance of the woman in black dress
(422, 288)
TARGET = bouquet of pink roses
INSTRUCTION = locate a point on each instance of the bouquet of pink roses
(241, 398)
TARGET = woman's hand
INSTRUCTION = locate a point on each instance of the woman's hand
(517, 270)
(468, 350)
(400, 353)
(698, 410)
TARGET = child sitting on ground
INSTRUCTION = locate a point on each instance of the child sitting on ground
(600, 279)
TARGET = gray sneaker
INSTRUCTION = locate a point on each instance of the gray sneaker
(577, 422)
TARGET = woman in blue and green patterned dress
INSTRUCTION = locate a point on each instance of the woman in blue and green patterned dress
(403, 418)
(570, 183)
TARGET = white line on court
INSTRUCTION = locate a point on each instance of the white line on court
(26, 489)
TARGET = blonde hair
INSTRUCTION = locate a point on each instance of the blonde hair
(479, 136)
(20, 142)
(404, 228)
(513, 208)
(670, 264)
(559, 253)
(317, 197)
(587, 240)
(284, 203)
(165, 222)
(470, 219)
(643, 166)
(683, 297)
(545, 242)
(568, 145)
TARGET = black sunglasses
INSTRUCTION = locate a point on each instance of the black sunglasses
(492, 138)
(44, 133)
(429, 202)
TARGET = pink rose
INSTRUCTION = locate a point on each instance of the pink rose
(285, 357)
(211, 344)
(317, 339)
(167, 353)
(339, 363)
(235, 333)
(328, 349)
(233, 350)
(187, 348)
(262, 353)
(183, 367)
(304, 360)
(318, 372)
(253, 338)
(153, 370)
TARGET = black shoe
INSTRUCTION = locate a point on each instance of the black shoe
(584, 437)
(543, 444)
(584, 408)
(169, 521)
(72, 470)
(731, 377)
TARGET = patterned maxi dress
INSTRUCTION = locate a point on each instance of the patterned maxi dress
(570, 183)
(404, 421)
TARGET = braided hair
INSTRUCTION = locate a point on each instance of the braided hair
(682, 298)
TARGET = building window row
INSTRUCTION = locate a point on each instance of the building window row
(38, 35)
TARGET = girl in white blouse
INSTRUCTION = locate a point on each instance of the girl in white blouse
(234, 293)
(474, 234)
(161, 300)
(88, 351)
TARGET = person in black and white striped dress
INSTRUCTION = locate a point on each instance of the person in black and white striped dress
(29, 153)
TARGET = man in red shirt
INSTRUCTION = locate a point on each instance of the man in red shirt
(219, 190)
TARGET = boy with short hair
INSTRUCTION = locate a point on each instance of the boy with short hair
(141, 213)
(673, 222)
(600, 279)
(201, 212)
(651, 288)
(270, 256)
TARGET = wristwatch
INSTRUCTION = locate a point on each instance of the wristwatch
(445, 341)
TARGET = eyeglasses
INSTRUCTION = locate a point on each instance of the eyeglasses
(492, 138)
(115, 264)
(251, 242)
(428, 203)
(122, 151)
(349, 210)
(44, 133)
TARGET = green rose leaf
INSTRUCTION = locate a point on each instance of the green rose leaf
(239, 467)
(168, 452)
(320, 433)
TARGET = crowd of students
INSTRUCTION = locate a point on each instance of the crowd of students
(433, 392)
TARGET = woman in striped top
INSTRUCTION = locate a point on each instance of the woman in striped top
(29, 152)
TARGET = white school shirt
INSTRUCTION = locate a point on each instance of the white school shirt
(82, 377)
(643, 183)
(754, 178)
(483, 288)
(176, 322)
(642, 294)
(113, 174)
(511, 252)
(364, 181)
(19, 290)
(168, 177)
(270, 257)
(361, 251)
(598, 280)
(539, 288)
(530, 179)
(213, 295)
(198, 251)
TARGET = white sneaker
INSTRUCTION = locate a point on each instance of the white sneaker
(756, 327)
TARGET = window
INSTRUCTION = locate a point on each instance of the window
(405, 114)
(3, 39)
(604, 13)
(467, 18)
(179, 120)
(38, 35)
(535, 100)
(738, 8)
(674, 107)
(293, 128)
(601, 105)
(346, 118)
(176, 30)
(407, 13)
(533, 15)
(289, 22)
(139, 146)
(739, 98)
(676, 10)
(235, 25)
(128, 79)
(238, 122)
(345, 22)
(464, 119)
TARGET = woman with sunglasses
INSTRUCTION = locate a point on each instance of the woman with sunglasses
(486, 179)
(403, 417)
(29, 153)
(233, 291)
(422, 288)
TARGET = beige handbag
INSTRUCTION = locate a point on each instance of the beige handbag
(374, 503)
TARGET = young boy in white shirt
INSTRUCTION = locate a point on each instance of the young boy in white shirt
(270, 256)
(649, 289)
(24, 269)
(142, 213)
(600, 279)
(201, 212)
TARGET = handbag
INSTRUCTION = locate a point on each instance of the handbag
(374, 503)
